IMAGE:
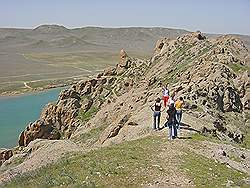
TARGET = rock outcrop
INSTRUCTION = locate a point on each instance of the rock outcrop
(56, 120)
(60, 120)
(210, 74)
(5, 154)
(203, 71)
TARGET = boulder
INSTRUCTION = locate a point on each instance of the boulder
(68, 93)
(200, 36)
(124, 63)
(231, 100)
(38, 129)
(5, 154)
(55, 119)
(109, 72)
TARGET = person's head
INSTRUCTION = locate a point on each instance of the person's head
(158, 100)
(166, 85)
(181, 98)
(171, 105)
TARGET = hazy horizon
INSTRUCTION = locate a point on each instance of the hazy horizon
(220, 17)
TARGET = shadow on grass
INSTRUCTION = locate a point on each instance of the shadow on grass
(182, 126)
(184, 137)
(188, 127)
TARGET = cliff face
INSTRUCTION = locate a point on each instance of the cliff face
(210, 74)
(213, 75)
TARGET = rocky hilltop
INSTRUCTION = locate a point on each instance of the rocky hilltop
(211, 74)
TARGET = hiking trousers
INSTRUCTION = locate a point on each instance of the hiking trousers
(178, 116)
(157, 117)
(165, 100)
(172, 130)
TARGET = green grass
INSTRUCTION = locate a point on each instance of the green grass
(238, 67)
(20, 88)
(74, 58)
(199, 109)
(181, 51)
(13, 87)
(90, 61)
(49, 82)
(198, 137)
(62, 67)
(129, 164)
(86, 116)
(124, 165)
(207, 173)
(209, 137)
(14, 162)
(235, 158)
(246, 141)
(91, 136)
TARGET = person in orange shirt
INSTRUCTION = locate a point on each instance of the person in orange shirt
(179, 105)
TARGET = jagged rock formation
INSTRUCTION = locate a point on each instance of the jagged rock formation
(205, 72)
(210, 74)
(56, 120)
(199, 69)
(5, 154)
(60, 120)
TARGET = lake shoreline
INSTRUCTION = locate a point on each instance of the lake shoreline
(18, 111)
(32, 91)
(41, 89)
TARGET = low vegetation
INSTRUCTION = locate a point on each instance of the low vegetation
(86, 116)
(76, 60)
(90, 137)
(246, 141)
(209, 173)
(236, 67)
(128, 164)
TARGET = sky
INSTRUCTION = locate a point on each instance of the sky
(210, 16)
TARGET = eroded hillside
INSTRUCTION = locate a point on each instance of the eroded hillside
(212, 75)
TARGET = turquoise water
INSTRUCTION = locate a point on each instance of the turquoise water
(17, 111)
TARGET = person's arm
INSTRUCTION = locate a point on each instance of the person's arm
(167, 117)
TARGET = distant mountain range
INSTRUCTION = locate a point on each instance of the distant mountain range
(30, 55)
(50, 38)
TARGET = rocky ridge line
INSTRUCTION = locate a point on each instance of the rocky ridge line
(201, 70)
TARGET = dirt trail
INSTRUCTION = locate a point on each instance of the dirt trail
(166, 165)
(86, 70)
(27, 86)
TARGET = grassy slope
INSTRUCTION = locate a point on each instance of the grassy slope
(132, 163)
(71, 66)
(209, 173)
(60, 54)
